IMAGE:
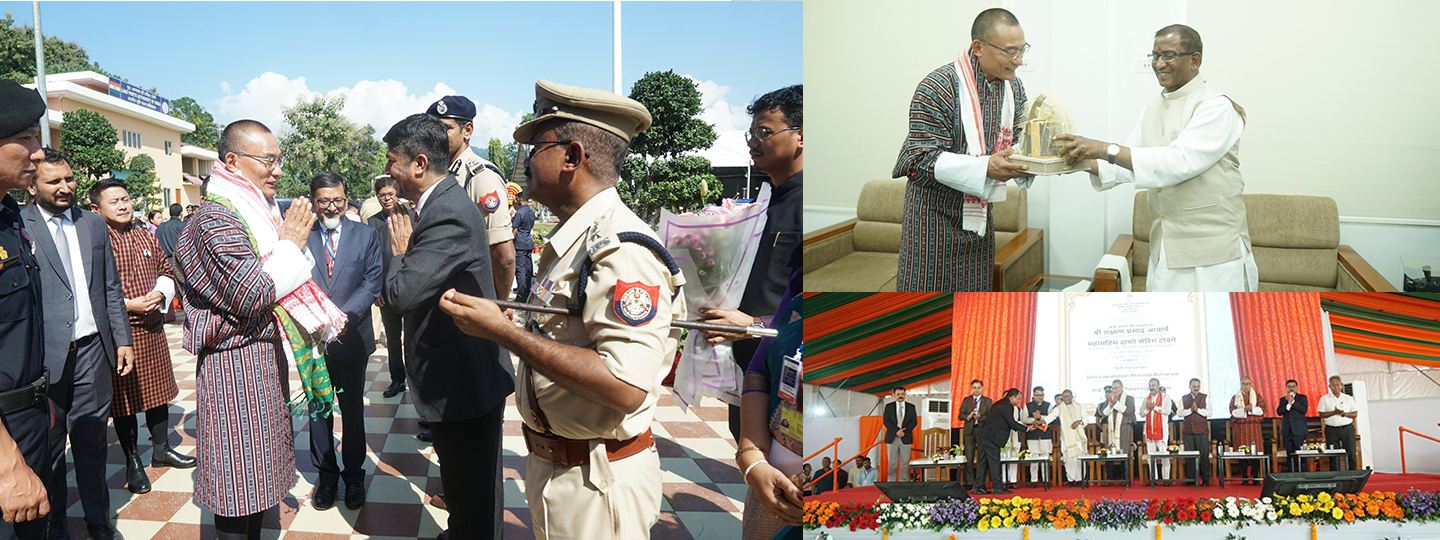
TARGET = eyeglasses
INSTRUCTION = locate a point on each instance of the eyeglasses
(326, 203)
(763, 133)
(270, 162)
(1015, 54)
(1168, 56)
(537, 146)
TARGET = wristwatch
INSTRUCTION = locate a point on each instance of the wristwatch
(1110, 153)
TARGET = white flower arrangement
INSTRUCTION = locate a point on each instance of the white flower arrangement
(896, 517)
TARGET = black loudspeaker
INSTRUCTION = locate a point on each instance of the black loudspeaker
(923, 491)
(1312, 483)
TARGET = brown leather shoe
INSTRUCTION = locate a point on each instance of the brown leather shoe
(438, 501)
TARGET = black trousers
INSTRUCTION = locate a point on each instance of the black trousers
(239, 527)
(394, 343)
(157, 419)
(469, 453)
(82, 396)
(989, 466)
(1201, 442)
(31, 430)
(524, 274)
(1343, 437)
(348, 377)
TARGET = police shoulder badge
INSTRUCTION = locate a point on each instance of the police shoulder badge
(491, 201)
(635, 302)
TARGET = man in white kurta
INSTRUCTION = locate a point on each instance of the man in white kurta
(1158, 408)
(1072, 433)
(1185, 153)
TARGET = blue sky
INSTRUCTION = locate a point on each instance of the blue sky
(393, 58)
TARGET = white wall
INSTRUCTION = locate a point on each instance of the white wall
(1420, 415)
(1090, 53)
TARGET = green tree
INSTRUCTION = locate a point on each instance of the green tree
(207, 132)
(503, 156)
(321, 139)
(658, 175)
(142, 183)
(88, 142)
(17, 54)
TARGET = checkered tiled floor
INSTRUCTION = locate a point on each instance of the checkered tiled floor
(703, 489)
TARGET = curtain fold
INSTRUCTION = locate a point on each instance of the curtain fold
(873, 428)
(992, 339)
(1279, 336)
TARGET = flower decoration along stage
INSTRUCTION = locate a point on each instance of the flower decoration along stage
(959, 517)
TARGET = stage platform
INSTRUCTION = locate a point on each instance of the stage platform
(1289, 529)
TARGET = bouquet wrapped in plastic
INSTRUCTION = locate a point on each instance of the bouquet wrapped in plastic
(714, 249)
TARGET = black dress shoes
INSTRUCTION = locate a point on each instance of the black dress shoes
(164, 456)
(324, 497)
(395, 389)
(56, 533)
(135, 479)
(425, 436)
(424, 424)
(355, 495)
(1001, 491)
(101, 532)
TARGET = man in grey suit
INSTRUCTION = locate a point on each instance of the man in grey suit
(348, 268)
(87, 333)
(972, 409)
(458, 382)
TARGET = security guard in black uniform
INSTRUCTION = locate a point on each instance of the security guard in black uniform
(24, 409)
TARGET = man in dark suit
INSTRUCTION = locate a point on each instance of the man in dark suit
(390, 208)
(349, 269)
(169, 231)
(994, 432)
(460, 382)
(899, 423)
(1293, 429)
(972, 409)
(87, 334)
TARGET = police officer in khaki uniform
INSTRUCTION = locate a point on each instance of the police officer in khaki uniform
(588, 382)
(485, 184)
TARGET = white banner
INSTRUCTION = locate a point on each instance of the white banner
(1131, 337)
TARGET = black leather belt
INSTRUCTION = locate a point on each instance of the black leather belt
(26, 396)
(82, 341)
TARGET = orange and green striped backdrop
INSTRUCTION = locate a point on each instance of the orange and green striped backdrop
(1395, 327)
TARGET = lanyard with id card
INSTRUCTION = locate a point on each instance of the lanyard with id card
(786, 424)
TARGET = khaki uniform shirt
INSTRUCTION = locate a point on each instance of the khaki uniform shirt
(626, 318)
(487, 189)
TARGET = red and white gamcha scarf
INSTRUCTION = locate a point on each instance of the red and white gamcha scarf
(308, 305)
(975, 211)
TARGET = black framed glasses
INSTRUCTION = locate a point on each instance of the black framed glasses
(1168, 56)
(763, 133)
(326, 203)
(270, 162)
(1015, 54)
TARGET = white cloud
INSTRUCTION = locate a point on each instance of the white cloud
(377, 103)
(716, 110)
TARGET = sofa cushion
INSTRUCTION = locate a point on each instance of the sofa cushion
(862, 271)
(1293, 221)
(1308, 267)
(877, 236)
(882, 200)
(1010, 215)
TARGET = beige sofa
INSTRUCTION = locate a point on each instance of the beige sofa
(863, 254)
(1295, 238)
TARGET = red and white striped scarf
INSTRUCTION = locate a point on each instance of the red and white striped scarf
(976, 210)
(308, 305)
